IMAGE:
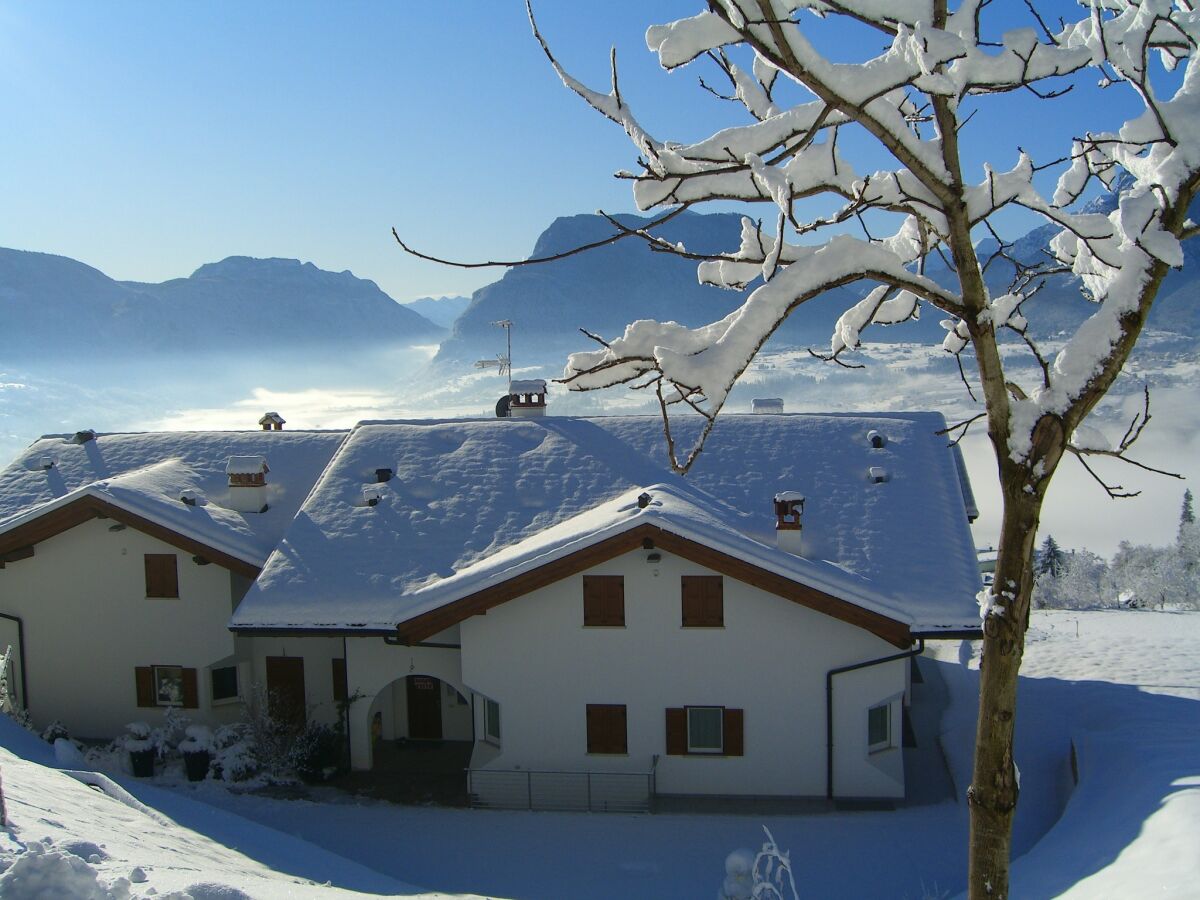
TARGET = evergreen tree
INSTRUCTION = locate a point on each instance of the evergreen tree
(1050, 558)
(1186, 515)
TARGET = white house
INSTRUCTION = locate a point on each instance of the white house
(541, 592)
(122, 557)
(548, 591)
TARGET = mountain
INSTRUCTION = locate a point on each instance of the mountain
(52, 304)
(439, 310)
(604, 289)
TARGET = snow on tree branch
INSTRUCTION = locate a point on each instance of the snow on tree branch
(932, 60)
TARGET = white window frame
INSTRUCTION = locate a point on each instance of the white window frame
(719, 750)
(158, 701)
(889, 740)
(488, 735)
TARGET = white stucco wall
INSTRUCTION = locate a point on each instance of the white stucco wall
(534, 656)
(88, 624)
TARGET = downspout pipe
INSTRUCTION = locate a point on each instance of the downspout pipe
(841, 670)
(21, 650)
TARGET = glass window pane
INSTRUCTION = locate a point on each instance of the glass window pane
(225, 683)
(168, 685)
(879, 720)
(492, 717)
(704, 728)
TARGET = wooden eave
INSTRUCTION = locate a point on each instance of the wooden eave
(87, 507)
(428, 624)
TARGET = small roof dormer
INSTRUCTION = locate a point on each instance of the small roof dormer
(272, 421)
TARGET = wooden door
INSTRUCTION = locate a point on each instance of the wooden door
(424, 708)
(285, 690)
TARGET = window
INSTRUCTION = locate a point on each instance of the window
(224, 683)
(705, 731)
(167, 686)
(162, 575)
(703, 601)
(606, 729)
(879, 727)
(491, 721)
(704, 728)
(603, 600)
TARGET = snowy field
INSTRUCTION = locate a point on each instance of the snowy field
(1122, 687)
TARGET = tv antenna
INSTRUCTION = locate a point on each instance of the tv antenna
(503, 361)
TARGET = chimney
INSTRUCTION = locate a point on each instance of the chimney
(272, 421)
(877, 439)
(789, 511)
(527, 399)
(82, 437)
(764, 405)
(247, 483)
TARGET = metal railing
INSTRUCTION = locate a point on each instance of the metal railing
(579, 791)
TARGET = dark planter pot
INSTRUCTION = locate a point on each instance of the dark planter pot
(142, 762)
(196, 765)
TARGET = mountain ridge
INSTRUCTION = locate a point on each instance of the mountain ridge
(50, 302)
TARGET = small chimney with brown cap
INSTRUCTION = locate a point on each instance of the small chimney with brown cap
(789, 513)
(247, 483)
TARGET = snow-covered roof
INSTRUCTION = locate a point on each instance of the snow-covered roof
(474, 502)
(532, 386)
(147, 474)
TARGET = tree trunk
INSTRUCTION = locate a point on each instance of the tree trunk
(994, 789)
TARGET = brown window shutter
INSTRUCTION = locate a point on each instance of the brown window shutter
(703, 600)
(340, 686)
(191, 689)
(676, 732)
(144, 678)
(619, 732)
(162, 575)
(733, 737)
(606, 728)
(603, 600)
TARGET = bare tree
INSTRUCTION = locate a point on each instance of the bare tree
(809, 118)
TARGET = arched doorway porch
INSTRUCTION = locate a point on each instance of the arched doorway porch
(421, 734)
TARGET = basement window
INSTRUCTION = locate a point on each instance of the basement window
(491, 721)
(879, 728)
(224, 684)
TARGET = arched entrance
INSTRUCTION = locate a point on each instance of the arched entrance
(421, 740)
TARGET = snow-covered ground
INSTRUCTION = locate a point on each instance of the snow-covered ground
(1122, 687)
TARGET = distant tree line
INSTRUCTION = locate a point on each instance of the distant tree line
(1138, 576)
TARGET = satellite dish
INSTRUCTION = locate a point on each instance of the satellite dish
(502, 407)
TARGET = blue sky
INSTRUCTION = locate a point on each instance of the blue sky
(147, 138)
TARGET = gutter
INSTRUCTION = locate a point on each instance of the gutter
(21, 650)
(908, 654)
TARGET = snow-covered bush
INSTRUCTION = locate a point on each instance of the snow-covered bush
(54, 731)
(136, 738)
(233, 754)
(761, 876)
(199, 739)
(316, 752)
